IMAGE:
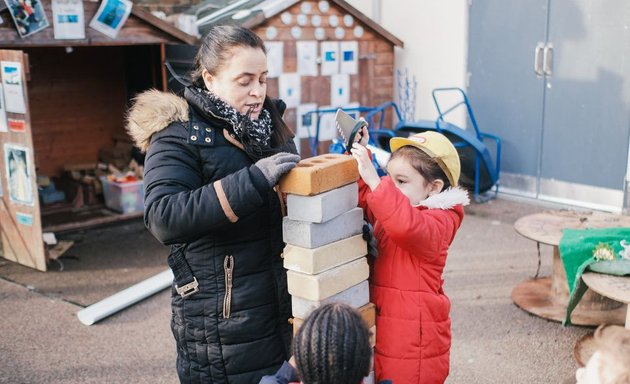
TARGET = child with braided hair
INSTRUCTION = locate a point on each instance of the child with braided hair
(331, 347)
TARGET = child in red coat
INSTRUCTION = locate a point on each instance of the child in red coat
(415, 212)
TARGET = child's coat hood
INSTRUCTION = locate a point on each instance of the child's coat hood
(446, 199)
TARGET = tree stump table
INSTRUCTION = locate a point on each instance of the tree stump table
(547, 297)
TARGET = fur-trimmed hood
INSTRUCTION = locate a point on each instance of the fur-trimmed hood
(152, 111)
(446, 199)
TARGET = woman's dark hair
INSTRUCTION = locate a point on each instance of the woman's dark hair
(333, 346)
(216, 49)
(427, 166)
(214, 52)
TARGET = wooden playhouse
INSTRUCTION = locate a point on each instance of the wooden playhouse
(75, 94)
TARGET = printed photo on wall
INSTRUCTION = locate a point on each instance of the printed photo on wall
(68, 19)
(19, 182)
(111, 17)
(28, 15)
(11, 72)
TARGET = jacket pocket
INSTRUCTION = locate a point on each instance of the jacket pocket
(228, 268)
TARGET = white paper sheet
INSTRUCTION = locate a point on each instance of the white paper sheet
(290, 89)
(327, 128)
(302, 130)
(307, 58)
(349, 57)
(111, 17)
(275, 58)
(339, 89)
(12, 86)
(18, 172)
(68, 19)
(3, 113)
(330, 57)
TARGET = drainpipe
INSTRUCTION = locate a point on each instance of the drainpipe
(376, 10)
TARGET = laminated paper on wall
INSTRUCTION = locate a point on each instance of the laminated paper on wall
(349, 57)
(330, 57)
(290, 89)
(275, 58)
(307, 58)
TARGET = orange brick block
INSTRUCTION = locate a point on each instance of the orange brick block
(319, 174)
(368, 313)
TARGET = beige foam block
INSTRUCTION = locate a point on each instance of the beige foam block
(317, 260)
(320, 174)
(323, 285)
(368, 313)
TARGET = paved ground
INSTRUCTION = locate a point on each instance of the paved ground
(42, 341)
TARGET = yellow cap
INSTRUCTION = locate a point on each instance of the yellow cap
(438, 147)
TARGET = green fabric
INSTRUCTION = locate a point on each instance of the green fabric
(576, 252)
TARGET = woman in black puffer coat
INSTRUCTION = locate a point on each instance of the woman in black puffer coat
(213, 160)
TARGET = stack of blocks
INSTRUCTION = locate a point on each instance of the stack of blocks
(325, 252)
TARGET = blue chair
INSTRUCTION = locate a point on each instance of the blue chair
(479, 172)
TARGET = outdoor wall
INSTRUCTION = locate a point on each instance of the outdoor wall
(435, 34)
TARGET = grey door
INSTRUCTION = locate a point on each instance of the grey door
(505, 93)
(587, 117)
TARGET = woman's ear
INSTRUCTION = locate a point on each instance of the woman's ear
(435, 187)
(207, 79)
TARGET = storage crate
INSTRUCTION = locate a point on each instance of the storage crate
(123, 197)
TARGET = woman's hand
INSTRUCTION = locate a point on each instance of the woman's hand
(366, 168)
(273, 167)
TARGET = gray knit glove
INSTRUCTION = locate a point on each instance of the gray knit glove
(273, 167)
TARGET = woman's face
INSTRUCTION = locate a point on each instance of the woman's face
(241, 81)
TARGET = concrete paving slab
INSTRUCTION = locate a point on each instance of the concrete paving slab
(493, 340)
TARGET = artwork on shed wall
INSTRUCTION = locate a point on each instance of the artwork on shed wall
(68, 19)
(19, 184)
(11, 72)
(111, 16)
(28, 15)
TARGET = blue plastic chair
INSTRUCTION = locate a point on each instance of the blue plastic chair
(479, 171)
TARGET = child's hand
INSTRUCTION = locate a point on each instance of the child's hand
(366, 168)
(363, 136)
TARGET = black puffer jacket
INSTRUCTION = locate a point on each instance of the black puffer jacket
(202, 191)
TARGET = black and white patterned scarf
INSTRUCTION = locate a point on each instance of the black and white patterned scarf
(255, 135)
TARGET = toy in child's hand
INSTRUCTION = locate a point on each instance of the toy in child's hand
(348, 128)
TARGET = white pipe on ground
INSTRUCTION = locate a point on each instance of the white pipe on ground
(125, 298)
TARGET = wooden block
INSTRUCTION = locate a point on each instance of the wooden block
(368, 313)
(356, 297)
(331, 282)
(314, 235)
(317, 260)
(320, 174)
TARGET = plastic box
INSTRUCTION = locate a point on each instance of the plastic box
(123, 197)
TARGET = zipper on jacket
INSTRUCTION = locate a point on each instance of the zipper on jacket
(228, 267)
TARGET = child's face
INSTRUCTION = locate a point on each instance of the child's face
(410, 182)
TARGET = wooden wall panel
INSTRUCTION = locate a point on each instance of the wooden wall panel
(20, 224)
(78, 102)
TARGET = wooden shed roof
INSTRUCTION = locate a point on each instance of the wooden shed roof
(141, 28)
(263, 10)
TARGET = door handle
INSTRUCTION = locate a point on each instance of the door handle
(538, 59)
(548, 59)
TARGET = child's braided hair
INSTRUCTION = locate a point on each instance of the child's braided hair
(332, 346)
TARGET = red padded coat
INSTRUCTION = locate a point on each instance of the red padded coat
(413, 327)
